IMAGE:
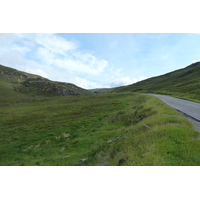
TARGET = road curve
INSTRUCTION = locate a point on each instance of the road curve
(189, 108)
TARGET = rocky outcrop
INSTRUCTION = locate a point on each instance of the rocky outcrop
(30, 83)
(52, 88)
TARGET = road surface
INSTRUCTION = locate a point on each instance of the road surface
(189, 108)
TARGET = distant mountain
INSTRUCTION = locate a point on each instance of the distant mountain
(14, 82)
(101, 90)
(183, 83)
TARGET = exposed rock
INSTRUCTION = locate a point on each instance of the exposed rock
(146, 126)
(50, 87)
(30, 83)
(117, 139)
(66, 156)
(82, 160)
(141, 117)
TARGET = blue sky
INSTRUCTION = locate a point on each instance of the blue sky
(97, 60)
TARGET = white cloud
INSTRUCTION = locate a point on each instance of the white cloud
(54, 43)
(37, 68)
(75, 62)
(8, 39)
(20, 49)
(78, 66)
(113, 44)
(45, 55)
(194, 61)
(11, 59)
(55, 58)
(85, 83)
(123, 81)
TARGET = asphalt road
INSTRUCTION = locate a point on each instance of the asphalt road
(189, 108)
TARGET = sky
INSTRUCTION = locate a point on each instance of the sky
(99, 60)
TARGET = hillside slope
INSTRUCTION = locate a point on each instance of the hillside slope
(182, 83)
(14, 82)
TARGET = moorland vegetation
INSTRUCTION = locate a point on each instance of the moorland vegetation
(40, 125)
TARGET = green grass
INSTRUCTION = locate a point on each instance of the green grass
(32, 129)
(108, 129)
(163, 138)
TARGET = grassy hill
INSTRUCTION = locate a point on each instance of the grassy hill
(17, 83)
(40, 125)
(184, 83)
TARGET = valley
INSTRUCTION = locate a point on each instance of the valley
(42, 126)
(183, 83)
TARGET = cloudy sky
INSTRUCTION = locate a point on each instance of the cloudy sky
(99, 60)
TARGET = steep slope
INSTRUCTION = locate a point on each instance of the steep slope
(183, 83)
(14, 82)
